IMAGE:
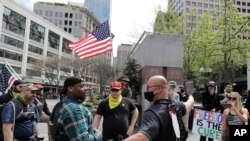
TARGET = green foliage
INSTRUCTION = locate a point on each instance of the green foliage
(131, 72)
(168, 22)
(216, 44)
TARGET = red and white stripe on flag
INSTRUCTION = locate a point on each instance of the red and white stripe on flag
(12, 79)
(96, 43)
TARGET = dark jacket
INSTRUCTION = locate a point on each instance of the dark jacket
(209, 101)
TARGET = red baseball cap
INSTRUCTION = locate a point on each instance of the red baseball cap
(115, 85)
(39, 86)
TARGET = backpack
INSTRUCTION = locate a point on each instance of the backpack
(18, 111)
(174, 108)
(55, 133)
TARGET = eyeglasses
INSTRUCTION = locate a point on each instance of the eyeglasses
(114, 90)
(151, 86)
(232, 98)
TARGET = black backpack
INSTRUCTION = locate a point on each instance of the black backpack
(175, 108)
(56, 136)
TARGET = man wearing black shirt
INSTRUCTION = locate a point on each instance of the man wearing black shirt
(119, 115)
(159, 129)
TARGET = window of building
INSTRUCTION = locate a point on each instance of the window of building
(51, 55)
(56, 14)
(211, 6)
(248, 10)
(66, 15)
(244, 3)
(65, 29)
(200, 12)
(13, 21)
(36, 11)
(211, 0)
(33, 72)
(200, 4)
(50, 20)
(187, 10)
(70, 30)
(76, 16)
(80, 24)
(50, 13)
(32, 60)
(80, 16)
(60, 22)
(239, 9)
(70, 22)
(53, 40)
(17, 69)
(205, 5)
(217, 7)
(65, 46)
(188, 2)
(10, 55)
(75, 23)
(40, 12)
(248, 4)
(193, 3)
(71, 15)
(46, 13)
(37, 32)
(243, 10)
(35, 49)
(11, 41)
(55, 21)
(238, 2)
(65, 22)
(61, 14)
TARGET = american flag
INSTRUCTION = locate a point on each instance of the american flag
(6, 80)
(96, 43)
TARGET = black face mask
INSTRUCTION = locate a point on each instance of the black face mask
(182, 91)
(149, 96)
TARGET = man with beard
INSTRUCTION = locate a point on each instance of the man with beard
(75, 120)
(223, 98)
(13, 93)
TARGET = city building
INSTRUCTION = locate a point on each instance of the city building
(72, 18)
(189, 8)
(123, 51)
(27, 39)
(100, 8)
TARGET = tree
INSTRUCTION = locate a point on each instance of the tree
(168, 22)
(216, 44)
(131, 71)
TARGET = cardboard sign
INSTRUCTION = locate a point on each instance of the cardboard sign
(207, 123)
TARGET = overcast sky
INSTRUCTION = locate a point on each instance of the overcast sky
(129, 18)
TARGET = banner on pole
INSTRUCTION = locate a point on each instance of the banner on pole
(208, 124)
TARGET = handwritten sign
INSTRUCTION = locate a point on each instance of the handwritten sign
(207, 123)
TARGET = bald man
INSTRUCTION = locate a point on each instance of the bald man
(152, 127)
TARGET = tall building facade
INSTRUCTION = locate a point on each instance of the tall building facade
(123, 51)
(27, 39)
(100, 8)
(72, 18)
(188, 8)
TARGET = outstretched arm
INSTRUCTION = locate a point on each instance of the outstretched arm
(135, 114)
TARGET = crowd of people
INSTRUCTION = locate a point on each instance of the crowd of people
(24, 106)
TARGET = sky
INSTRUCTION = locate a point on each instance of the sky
(129, 18)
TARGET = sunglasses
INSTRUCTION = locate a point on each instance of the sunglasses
(232, 98)
(114, 90)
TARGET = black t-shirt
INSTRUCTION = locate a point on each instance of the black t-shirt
(156, 129)
(117, 120)
(209, 101)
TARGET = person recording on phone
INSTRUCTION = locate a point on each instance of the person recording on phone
(209, 102)
(235, 115)
(223, 98)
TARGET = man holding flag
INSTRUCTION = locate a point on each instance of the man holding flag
(97, 42)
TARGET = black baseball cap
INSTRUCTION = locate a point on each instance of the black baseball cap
(18, 82)
(70, 82)
(211, 83)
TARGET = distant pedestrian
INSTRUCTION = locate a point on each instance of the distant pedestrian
(75, 120)
(126, 90)
(40, 97)
(182, 94)
(172, 92)
(157, 123)
(119, 115)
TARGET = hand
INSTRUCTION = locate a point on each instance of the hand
(39, 105)
(130, 130)
(233, 108)
(213, 110)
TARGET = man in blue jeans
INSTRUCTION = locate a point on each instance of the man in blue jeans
(20, 115)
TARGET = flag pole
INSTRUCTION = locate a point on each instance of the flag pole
(11, 69)
(111, 37)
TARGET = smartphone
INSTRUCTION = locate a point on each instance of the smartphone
(226, 105)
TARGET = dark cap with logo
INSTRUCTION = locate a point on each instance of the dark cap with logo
(211, 83)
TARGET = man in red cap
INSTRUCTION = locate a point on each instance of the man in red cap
(119, 115)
